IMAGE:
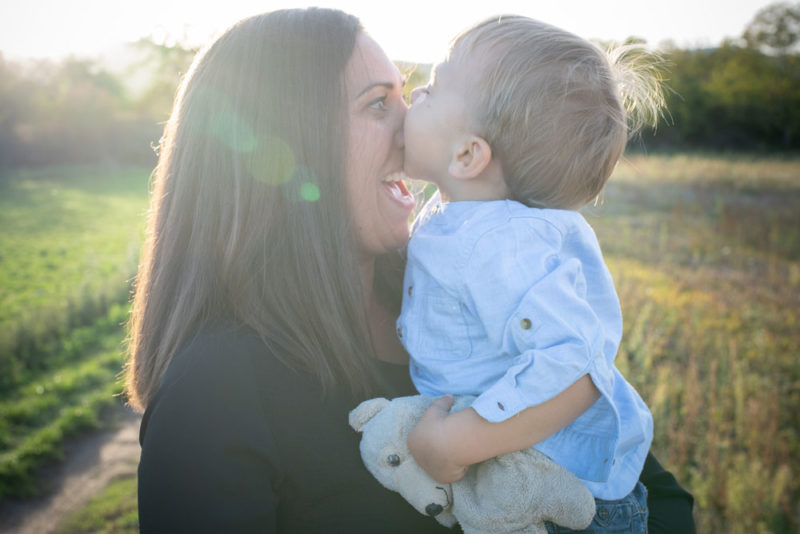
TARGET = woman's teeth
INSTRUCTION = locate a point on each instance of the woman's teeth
(396, 191)
(395, 177)
(396, 186)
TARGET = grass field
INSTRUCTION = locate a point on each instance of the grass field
(705, 252)
(111, 512)
(67, 251)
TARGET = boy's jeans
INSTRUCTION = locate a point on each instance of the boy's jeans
(628, 515)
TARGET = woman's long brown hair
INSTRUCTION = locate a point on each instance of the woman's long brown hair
(249, 217)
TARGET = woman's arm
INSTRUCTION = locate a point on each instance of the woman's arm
(207, 462)
(190, 481)
(446, 444)
(669, 505)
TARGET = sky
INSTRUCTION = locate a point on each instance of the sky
(409, 30)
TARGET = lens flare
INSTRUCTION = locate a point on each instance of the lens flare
(272, 162)
(309, 192)
(234, 132)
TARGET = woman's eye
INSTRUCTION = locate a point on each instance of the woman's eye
(379, 103)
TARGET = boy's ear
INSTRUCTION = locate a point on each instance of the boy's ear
(470, 158)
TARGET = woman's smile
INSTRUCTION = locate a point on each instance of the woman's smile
(396, 189)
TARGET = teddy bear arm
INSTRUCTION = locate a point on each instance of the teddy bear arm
(568, 502)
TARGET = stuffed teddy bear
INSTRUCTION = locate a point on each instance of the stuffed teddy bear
(513, 493)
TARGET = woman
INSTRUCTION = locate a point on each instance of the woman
(258, 321)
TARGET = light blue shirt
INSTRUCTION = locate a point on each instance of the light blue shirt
(514, 304)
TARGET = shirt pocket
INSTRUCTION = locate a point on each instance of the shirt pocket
(437, 329)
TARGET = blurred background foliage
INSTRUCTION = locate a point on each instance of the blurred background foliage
(79, 111)
(741, 95)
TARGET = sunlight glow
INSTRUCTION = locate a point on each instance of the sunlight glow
(412, 30)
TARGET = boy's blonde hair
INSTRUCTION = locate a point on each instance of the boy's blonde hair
(556, 109)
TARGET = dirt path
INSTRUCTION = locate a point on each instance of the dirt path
(88, 465)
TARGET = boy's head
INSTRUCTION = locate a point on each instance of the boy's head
(444, 143)
(548, 104)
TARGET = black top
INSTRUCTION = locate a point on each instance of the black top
(236, 442)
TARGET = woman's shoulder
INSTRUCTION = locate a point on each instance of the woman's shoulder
(225, 353)
(221, 348)
(224, 368)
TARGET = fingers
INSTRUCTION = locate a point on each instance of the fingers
(443, 403)
(437, 411)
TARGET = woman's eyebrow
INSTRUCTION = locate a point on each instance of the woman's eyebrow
(388, 85)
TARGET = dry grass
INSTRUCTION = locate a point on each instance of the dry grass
(704, 252)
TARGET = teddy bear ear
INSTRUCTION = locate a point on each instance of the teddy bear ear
(366, 411)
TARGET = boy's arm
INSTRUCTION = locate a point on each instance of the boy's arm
(446, 444)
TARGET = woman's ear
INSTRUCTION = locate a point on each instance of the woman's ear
(470, 158)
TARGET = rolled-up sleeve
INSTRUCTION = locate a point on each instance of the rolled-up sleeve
(537, 306)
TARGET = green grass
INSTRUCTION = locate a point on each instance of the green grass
(68, 247)
(67, 251)
(37, 417)
(111, 512)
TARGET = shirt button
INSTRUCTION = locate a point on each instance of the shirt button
(525, 324)
(500, 405)
(410, 290)
(399, 331)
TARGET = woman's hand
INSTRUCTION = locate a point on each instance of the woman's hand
(431, 445)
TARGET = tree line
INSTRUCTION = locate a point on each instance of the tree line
(741, 95)
(77, 111)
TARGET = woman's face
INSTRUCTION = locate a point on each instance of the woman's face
(378, 200)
